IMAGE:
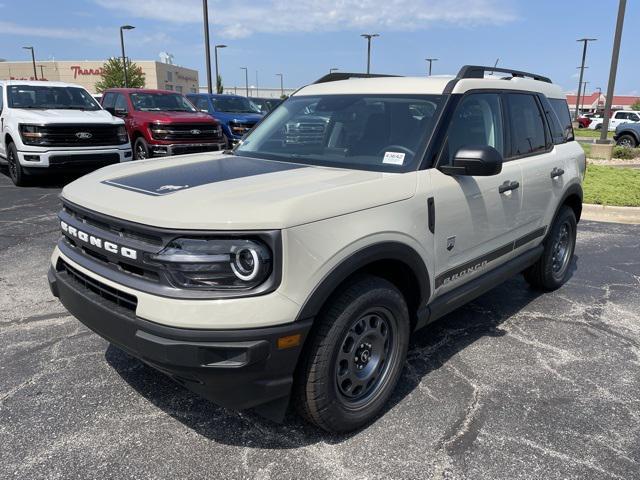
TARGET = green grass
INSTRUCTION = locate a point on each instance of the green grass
(587, 149)
(612, 186)
(585, 132)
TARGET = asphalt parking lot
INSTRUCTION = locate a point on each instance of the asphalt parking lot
(515, 385)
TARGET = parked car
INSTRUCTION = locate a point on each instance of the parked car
(298, 271)
(618, 117)
(627, 135)
(54, 126)
(583, 121)
(161, 122)
(266, 104)
(236, 114)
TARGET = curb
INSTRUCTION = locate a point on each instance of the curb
(604, 213)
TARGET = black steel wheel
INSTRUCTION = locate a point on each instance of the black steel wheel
(354, 357)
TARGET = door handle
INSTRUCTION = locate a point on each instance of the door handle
(508, 186)
(557, 172)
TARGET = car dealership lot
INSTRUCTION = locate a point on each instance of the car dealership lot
(513, 385)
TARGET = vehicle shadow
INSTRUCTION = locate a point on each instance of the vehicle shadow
(429, 350)
(50, 180)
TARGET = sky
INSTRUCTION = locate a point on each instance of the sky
(303, 39)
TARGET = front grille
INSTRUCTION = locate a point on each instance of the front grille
(84, 160)
(240, 128)
(182, 150)
(80, 135)
(122, 299)
(194, 132)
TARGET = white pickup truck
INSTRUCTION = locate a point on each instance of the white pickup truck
(53, 125)
(618, 117)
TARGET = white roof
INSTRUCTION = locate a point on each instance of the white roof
(428, 85)
(44, 83)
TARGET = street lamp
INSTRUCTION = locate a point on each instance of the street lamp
(246, 79)
(431, 60)
(41, 72)
(369, 36)
(215, 50)
(281, 84)
(124, 58)
(584, 56)
(33, 60)
(207, 52)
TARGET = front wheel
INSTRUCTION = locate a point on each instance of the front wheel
(16, 172)
(355, 356)
(141, 149)
(627, 141)
(552, 270)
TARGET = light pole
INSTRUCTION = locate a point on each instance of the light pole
(585, 41)
(612, 71)
(246, 79)
(334, 69)
(431, 60)
(215, 51)
(281, 84)
(584, 92)
(41, 72)
(33, 60)
(207, 52)
(124, 58)
(369, 36)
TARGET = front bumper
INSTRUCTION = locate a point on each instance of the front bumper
(33, 158)
(236, 369)
(184, 148)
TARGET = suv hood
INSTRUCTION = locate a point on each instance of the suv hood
(225, 192)
(67, 116)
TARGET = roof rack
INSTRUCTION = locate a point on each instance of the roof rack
(334, 77)
(478, 71)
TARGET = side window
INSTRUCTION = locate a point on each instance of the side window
(121, 103)
(562, 112)
(109, 101)
(557, 133)
(526, 125)
(632, 116)
(477, 120)
(621, 116)
(202, 103)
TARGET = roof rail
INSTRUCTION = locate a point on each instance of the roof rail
(334, 77)
(478, 71)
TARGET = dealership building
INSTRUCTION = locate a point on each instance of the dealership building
(87, 73)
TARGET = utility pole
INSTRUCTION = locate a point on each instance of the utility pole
(281, 84)
(584, 56)
(33, 60)
(369, 36)
(207, 52)
(612, 71)
(124, 58)
(431, 60)
(599, 95)
(41, 72)
(246, 79)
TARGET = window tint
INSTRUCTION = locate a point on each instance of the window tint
(121, 103)
(557, 133)
(476, 121)
(109, 100)
(201, 103)
(526, 125)
(621, 115)
(562, 112)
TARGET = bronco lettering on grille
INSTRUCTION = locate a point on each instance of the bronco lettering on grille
(98, 242)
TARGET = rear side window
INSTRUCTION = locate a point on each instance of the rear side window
(557, 133)
(109, 100)
(526, 125)
(562, 112)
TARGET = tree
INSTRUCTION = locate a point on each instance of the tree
(636, 105)
(112, 75)
(219, 85)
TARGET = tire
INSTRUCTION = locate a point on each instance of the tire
(361, 339)
(141, 149)
(627, 140)
(16, 172)
(598, 127)
(227, 143)
(552, 270)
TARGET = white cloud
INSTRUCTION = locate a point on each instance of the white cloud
(244, 17)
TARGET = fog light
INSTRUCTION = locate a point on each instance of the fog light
(32, 158)
(127, 154)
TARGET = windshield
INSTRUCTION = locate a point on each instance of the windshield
(234, 105)
(161, 102)
(372, 132)
(54, 98)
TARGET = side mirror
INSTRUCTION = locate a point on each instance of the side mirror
(475, 160)
(120, 112)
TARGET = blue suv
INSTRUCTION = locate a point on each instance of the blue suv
(236, 114)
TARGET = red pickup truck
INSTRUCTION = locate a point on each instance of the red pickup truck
(161, 122)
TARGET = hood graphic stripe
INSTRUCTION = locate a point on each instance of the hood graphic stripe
(164, 181)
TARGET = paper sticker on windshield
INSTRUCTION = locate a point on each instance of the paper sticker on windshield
(394, 158)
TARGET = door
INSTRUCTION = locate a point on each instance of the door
(476, 218)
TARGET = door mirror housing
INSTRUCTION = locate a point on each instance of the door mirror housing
(475, 160)
(120, 112)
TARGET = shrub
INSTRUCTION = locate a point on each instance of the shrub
(625, 153)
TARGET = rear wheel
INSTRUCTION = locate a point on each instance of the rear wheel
(552, 269)
(141, 149)
(16, 172)
(355, 357)
(627, 140)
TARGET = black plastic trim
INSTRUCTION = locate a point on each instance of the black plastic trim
(478, 71)
(432, 214)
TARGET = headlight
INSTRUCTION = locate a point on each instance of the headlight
(216, 264)
(159, 131)
(33, 135)
(122, 134)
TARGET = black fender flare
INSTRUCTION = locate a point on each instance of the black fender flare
(395, 251)
(573, 189)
